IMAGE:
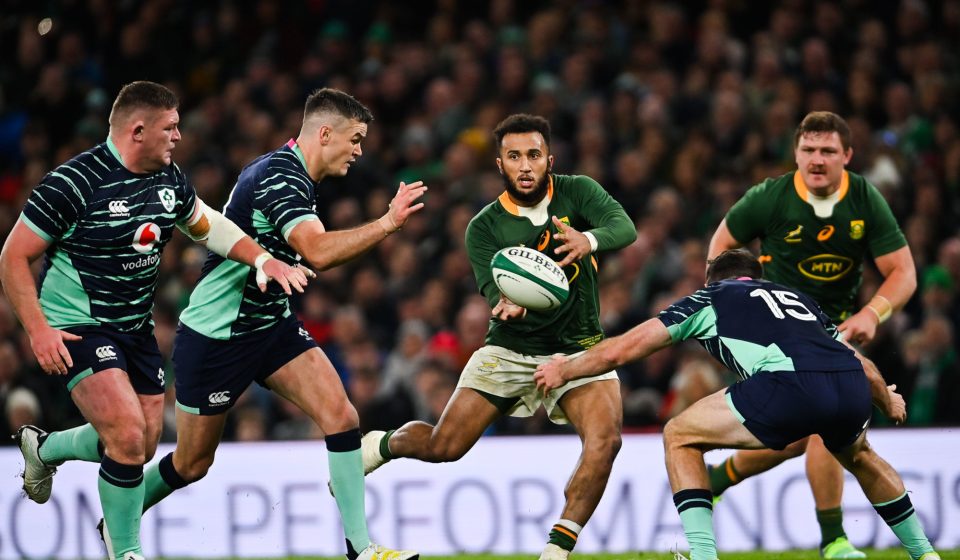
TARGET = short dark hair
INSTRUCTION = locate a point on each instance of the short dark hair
(520, 123)
(733, 263)
(824, 121)
(143, 95)
(329, 100)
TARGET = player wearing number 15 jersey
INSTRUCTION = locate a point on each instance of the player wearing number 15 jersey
(799, 379)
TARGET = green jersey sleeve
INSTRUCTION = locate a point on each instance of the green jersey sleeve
(608, 221)
(747, 219)
(481, 246)
(885, 235)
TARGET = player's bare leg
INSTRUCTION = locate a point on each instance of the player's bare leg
(596, 412)
(708, 424)
(467, 415)
(108, 401)
(884, 488)
(311, 382)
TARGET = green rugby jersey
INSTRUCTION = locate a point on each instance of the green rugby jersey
(822, 256)
(106, 227)
(574, 326)
(273, 194)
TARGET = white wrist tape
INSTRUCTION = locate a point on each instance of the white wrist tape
(224, 234)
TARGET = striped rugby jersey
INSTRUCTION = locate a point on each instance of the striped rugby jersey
(755, 325)
(273, 194)
(106, 227)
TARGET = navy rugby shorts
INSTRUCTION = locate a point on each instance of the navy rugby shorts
(135, 353)
(782, 407)
(211, 374)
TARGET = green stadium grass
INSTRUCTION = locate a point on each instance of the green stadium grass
(888, 554)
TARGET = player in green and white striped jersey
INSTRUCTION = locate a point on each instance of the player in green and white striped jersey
(102, 220)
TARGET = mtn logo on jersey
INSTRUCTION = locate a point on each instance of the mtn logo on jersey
(825, 267)
(146, 237)
(118, 208)
(167, 198)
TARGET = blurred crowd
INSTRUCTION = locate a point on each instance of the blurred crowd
(676, 108)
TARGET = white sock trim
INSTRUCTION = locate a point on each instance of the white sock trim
(573, 526)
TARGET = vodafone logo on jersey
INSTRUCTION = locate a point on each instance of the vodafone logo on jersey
(146, 237)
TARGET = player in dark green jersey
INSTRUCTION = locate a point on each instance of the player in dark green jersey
(568, 216)
(102, 220)
(815, 226)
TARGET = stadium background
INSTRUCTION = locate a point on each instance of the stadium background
(675, 107)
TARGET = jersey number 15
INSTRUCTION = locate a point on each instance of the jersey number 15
(788, 300)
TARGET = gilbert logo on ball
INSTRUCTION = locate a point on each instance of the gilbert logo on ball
(529, 278)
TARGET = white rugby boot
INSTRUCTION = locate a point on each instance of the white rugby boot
(37, 475)
(377, 552)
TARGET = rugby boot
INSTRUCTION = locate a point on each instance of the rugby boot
(377, 552)
(37, 475)
(841, 548)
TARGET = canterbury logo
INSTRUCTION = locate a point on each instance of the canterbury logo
(105, 353)
(118, 208)
(825, 233)
(219, 398)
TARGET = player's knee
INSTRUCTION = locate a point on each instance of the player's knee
(126, 443)
(603, 447)
(671, 434)
(195, 468)
(446, 450)
(796, 448)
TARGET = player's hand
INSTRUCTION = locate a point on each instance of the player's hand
(52, 354)
(897, 407)
(549, 375)
(506, 310)
(575, 244)
(402, 206)
(282, 273)
(861, 327)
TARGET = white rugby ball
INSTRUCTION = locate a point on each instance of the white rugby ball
(529, 278)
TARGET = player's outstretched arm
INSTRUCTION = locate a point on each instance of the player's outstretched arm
(213, 230)
(326, 249)
(22, 247)
(899, 284)
(639, 342)
(721, 241)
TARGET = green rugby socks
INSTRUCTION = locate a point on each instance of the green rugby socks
(121, 496)
(902, 519)
(82, 442)
(385, 446)
(564, 534)
(346, 480)
(723, 476)
(695, 507)
(831, 525)
(160, 480)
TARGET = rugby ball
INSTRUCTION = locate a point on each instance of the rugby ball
(529, 278)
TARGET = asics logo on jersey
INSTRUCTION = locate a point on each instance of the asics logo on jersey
(105, 353)
(167, 198)
(146, 237)
(304, 333)
(118, 208)
(160, 375)
(223, 397)
(825, 233)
